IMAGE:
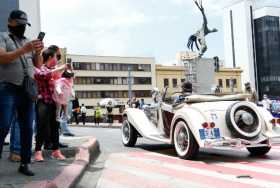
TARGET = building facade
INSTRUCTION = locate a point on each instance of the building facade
(267, 39)
(98, 77)
(252, 42)
(229, 80)
(171, 77)
(31, 7)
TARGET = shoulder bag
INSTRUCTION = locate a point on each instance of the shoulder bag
(29, 85)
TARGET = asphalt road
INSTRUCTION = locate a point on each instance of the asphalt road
(110, 142)
(152, 164)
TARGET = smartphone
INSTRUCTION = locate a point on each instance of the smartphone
(69, 63)
(41, 36)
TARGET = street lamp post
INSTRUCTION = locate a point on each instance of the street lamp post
(129, 85)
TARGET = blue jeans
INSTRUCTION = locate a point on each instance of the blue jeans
(13, 101)
(63, 124)
(15, 138)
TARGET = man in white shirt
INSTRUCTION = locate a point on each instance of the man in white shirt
(84, 112)
(266, 102)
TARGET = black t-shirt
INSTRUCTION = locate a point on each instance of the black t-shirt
(75, 104)
(137, 104)
(109, 109)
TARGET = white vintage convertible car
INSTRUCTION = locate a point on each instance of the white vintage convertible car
(203, 121)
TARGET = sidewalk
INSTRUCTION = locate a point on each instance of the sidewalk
(101, 125)
(61, 173)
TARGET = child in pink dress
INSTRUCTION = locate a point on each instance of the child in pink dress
(62, 93)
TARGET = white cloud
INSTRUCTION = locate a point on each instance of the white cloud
(91, 26)
(129, 27)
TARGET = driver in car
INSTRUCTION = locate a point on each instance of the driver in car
(186, 91)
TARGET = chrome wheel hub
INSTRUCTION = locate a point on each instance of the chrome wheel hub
(126, 130)
(182, 139)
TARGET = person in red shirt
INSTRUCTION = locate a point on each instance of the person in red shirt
(45, 107)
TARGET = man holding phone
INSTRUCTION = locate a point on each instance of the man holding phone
(18, 57)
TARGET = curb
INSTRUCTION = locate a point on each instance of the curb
(71, 174)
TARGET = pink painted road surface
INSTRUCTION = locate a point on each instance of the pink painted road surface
(153, 170)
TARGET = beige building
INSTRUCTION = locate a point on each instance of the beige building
(170, 76)
(98, 77)
(229, 80)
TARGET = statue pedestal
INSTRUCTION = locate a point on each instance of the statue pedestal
(200, 72)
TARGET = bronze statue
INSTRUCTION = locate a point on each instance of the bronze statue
(199, 37)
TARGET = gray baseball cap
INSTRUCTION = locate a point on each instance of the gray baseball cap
(20, 17)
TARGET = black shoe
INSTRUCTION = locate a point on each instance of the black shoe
(24, 169)
(68, 134)
(61, 145)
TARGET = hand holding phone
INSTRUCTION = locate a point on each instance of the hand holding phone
(41, 36)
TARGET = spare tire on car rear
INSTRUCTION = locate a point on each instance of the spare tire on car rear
(243, 120)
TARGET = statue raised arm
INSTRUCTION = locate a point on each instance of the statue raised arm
(199, 37)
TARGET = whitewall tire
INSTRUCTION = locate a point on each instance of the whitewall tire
(185, 144)
(129, 134)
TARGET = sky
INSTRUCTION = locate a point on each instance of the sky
(145, 28)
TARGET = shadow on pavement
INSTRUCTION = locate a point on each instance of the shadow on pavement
(209, 155)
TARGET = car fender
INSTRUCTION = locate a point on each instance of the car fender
(194, 118)
(138, 119)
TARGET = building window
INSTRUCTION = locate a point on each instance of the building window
(174, 81)
(112, 94)
(124, 81)
(142, 81)
(231, 83)
(111, 67)
(234, 82)
(97, 66)
(165, 82)
(220, 82)
(228, 83)
(112, 80)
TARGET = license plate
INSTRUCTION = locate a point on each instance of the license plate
(209, 133)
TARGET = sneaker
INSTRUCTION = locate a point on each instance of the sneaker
(58, 155)
(58, 119)
(38, 157)
(14, 157)
(64, 118)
